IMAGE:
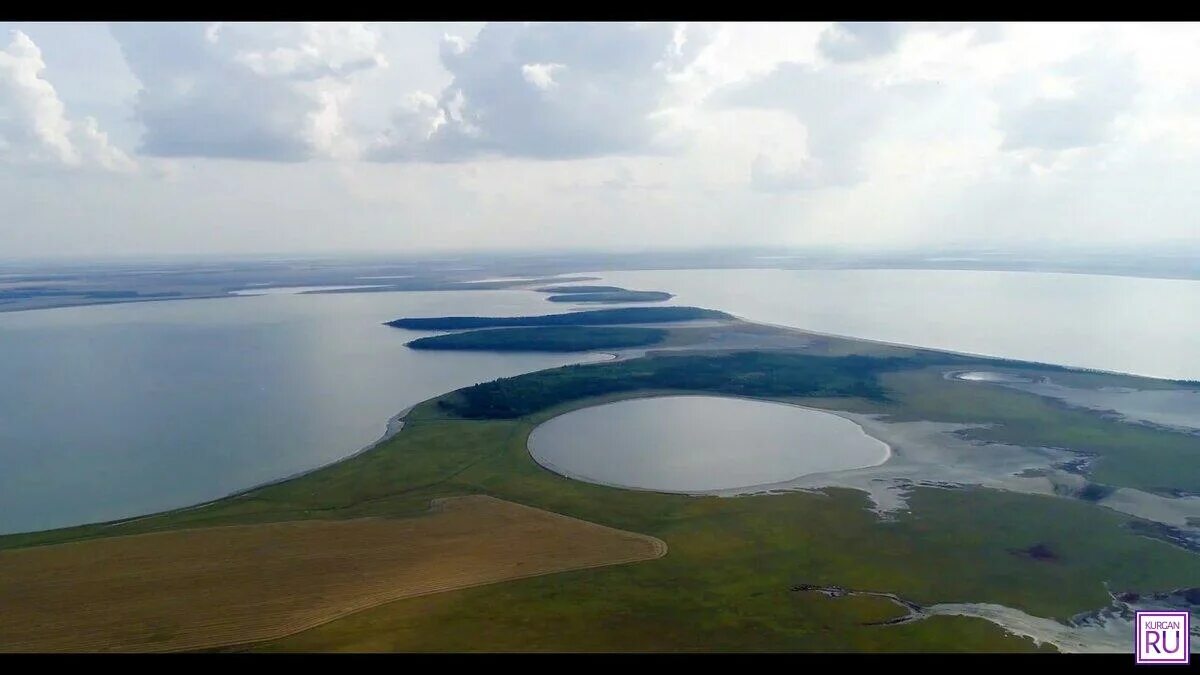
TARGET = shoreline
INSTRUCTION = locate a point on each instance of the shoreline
(1004, 359)
(393, 426)
(744, 490)
(395, 423)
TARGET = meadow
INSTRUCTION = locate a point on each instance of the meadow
(728, 580)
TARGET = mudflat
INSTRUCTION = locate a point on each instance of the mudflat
(208, 587)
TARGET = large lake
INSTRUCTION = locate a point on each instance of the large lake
(1141, 326)
(700, 443)
(110, 411)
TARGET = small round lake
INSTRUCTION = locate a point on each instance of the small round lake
(700, 443)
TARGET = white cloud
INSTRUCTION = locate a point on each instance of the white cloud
(248, 91)
(454, 45)
(842, 111)
(856, 41)
(416, 121)
(565, 135)
(541, 75)
(1073, 105)
(608, 81)
(213, 32)
(33, 120)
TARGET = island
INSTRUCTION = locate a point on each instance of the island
(597, 317)
(1056, 519)
(544, 339)
(602, 294)
(613, 298)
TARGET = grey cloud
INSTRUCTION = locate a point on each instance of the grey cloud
(34, 125)
(841, 110)
(847, 42)
(1104, 84)
(245, 92)
(766, 175)
(544, 91)
(855, 41)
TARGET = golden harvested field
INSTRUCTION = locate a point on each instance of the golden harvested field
(192, 589)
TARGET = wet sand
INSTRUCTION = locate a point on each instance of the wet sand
(1106, 630)
(1176, 409)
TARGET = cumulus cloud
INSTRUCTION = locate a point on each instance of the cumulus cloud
(541, 75)
(841, 110)
(34, 125)
(856, 41)
(923, 87)
(869, 41)
(1073, 105)
(268, 92)
(546, 91)
(902, 134)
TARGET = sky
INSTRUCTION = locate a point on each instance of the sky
(237, 138)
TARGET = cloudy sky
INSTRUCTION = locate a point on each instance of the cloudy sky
(147, 139)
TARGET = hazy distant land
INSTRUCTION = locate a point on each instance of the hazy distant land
(44, 284)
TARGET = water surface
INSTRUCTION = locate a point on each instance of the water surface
(1121, 324)
(118, 410)
(1172, 408)
(292, 290)
(700, 443)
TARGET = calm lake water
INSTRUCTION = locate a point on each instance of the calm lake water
(111, 411)
(1141, 326)
(1176, 408)
(700, 443)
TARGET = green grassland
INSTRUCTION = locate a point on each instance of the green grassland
(544, 339)
(1127, 455)
(726, 581)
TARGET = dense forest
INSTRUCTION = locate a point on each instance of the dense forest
(602, 294)
(544, 339)
(763, 374)
(596, 317)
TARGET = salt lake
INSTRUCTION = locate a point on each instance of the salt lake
(695, 444)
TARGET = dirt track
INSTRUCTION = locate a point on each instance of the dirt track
(192, 589)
